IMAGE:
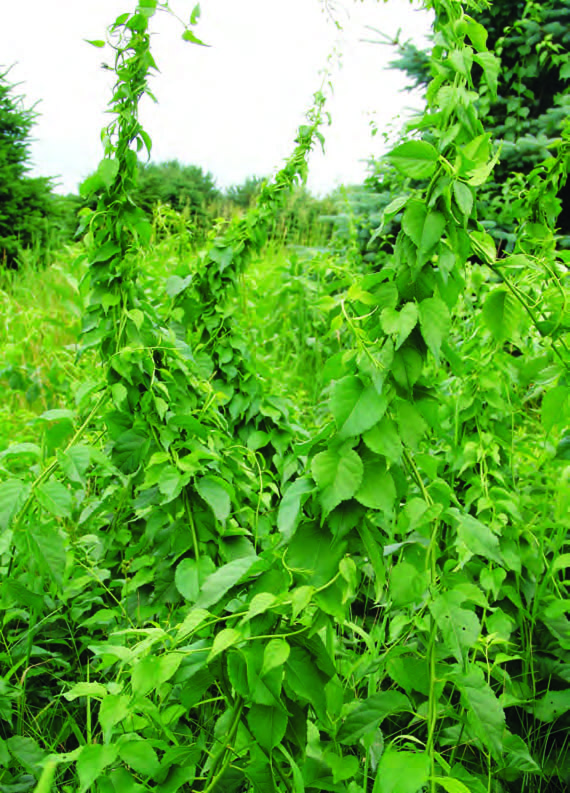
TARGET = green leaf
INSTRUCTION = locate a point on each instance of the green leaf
(476, 33)
(13, 494)
(377, 490)
(475, 538)
(485, 715)
(130, 451)
(95, 42)
(399, 323)
(260, 603)
(217, 584)
(170, 482)
(501, 313)
(402, 772)
(407, 584)
(338, 475)
(113, 709)
(356, 407)
(424, 227)
(484, 246)
(27, 752)
(367, 716)
(190, 575)
(55, 497)
(305, 680)
(464, 197)
(152, 671)
(491, 66)
(75, 462)
(192, 621)
(460, 628)
(384, 439)
(97, 690)
(195, 15)
(140, 756)
(555, 408)
(224, 639)
(416, 159)
(49, 549)
(189, 36)
(92, 761)
(214, 492)
(435, 323)
(275, 654)
(552, 705)
(451, 785)
(289, 512)
(268, 725)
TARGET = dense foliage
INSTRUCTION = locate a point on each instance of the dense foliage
(239, 559)
(25, 202)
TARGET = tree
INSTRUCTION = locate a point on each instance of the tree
(532, 40)
(25, 202)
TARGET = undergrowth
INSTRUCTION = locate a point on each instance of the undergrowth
(293, 520)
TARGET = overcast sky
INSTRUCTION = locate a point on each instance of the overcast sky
(232, 107)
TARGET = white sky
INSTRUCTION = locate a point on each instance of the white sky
(231, 108)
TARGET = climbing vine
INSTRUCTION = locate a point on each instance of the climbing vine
(243, 604)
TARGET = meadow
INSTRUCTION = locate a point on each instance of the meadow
(289, 511)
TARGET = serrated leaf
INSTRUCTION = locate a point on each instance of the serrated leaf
(399, 323)
(192, 621)
(416, 158)
(402, 772)
(92, 761)
(384, 439)
(130, 451)
(75, 462)
(435, 323)
(464, 198)
(86, 690)
(423, 226)
(356, 407)
(460, 628)
(338, 475)
(140, 756)
(13, 494)
(367, 716)
(485, 715)
(475, 538)
(55, 498)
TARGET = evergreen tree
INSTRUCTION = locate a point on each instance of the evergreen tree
(25, 202)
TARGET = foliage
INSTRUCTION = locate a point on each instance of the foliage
(201, 594)
(25, 202)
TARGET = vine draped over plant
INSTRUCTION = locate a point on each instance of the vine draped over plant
(249, 606)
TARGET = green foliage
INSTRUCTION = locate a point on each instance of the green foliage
(201, 594)
(26, 203)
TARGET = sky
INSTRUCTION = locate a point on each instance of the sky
(232, 107)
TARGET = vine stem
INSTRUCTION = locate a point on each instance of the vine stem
(223, 755)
